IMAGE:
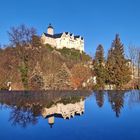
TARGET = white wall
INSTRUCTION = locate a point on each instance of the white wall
(65, 41)
(48, 40)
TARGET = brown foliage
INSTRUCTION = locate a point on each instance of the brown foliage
(18, 64)
(80, 74)
(9, 67)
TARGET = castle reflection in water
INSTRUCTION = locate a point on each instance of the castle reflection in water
(27, 107)
(65, 111)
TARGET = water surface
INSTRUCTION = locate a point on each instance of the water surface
(78, 115)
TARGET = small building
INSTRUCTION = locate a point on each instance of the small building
(61, 40)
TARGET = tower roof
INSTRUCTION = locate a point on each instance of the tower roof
(50, 26)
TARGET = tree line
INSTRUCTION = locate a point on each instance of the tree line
(42, 66)
(116, 71)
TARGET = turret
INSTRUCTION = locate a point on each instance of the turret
(51, 121)
(50, 30)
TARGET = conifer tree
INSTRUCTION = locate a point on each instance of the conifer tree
(118, 70)
(99, 67)
(116, 100)
(99, 95)
(63, 78)
(36, 80)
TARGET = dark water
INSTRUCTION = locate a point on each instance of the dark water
(102, 115)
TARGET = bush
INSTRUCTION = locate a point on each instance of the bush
(49, 48)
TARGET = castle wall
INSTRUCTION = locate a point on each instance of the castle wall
(64, 41)
(48, 40)
(69, 42)
(66, 111)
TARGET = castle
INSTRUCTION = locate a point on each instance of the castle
(61, 40)
(63, 111)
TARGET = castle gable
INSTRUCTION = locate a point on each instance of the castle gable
(61, 40)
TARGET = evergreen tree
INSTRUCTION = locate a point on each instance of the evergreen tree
(23, 68)
(63, 78)
(118, 70)
(116, 100)
(99, 67)
(99, 95)
(36, 80)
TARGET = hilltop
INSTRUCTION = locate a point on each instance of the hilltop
(42, 67)
(27, 63)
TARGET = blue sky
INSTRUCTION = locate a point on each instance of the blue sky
(96, 20)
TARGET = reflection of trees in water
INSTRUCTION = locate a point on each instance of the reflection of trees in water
(22, 117)
(99, 95)
(27, 107)
(134, 97)
(116, 99)
(72, 100)
(26, 115)
(1, 106)
(36, 109)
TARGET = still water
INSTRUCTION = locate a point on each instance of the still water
(78, 115)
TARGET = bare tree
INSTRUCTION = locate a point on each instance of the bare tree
(21, 35)
(134, 53)
(0, 48)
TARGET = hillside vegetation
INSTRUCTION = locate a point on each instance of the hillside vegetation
(42, 67)
(27, 64)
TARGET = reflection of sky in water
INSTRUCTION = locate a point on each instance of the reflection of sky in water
(105, 116)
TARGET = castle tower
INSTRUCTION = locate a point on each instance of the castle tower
(50, 30)
(51, 121)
